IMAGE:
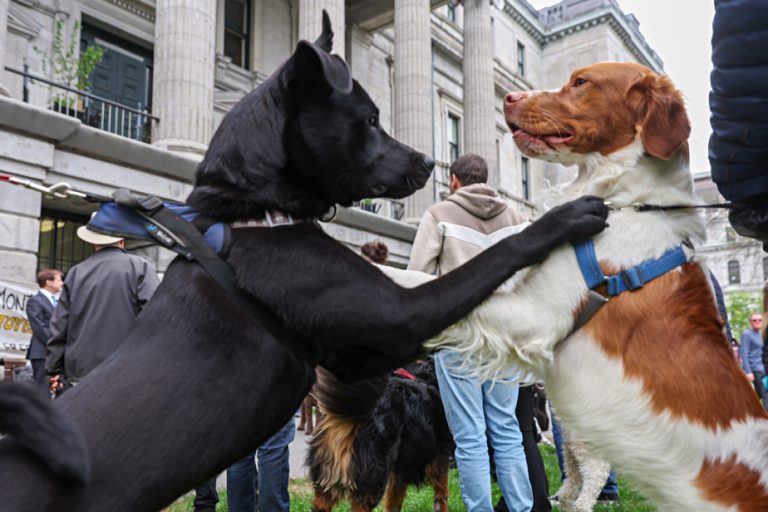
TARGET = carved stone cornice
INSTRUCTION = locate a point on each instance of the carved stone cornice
(22, 24)
(523, 18)
(137, 8)
(544, 35)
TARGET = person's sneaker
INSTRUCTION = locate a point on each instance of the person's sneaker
(606, 498)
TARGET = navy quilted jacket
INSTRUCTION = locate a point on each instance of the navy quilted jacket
(738, 146)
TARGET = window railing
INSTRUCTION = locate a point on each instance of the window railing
(92, 110)
(382, 206)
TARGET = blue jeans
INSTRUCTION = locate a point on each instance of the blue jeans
(557, 436)
(475, 409)
(611, 485)
(249, 492)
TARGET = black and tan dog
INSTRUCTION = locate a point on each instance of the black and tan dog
(198, 383)
(379, 433)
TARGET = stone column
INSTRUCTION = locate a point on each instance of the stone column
(413, 90)
(310, 22)
(19, 232)
(479, 96)
(185, 36)
(3, 32)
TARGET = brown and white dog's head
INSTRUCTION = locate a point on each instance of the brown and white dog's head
(602, 109)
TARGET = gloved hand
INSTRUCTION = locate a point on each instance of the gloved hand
(751, 219)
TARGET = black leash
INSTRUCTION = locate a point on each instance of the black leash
(657, 207)
(644, 207)
(60, 190)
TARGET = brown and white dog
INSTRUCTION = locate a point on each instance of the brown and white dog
(649, 383)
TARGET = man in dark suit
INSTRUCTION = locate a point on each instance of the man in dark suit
(39, 310)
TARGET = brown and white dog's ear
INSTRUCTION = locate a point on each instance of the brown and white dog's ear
(312, 67)
(660, 113)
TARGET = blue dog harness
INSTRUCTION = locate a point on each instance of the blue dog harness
(117, 219)
(629, 279)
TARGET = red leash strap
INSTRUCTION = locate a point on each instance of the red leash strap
(405, 374)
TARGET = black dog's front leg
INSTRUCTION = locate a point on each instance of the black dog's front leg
(397, 320)
(325, 293)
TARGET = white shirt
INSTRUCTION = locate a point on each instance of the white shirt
(50, 296)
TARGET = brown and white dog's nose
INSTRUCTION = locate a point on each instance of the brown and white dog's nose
(514, 97)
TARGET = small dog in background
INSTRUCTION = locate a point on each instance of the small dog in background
(378, 435)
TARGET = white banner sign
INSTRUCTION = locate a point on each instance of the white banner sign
(15, 332)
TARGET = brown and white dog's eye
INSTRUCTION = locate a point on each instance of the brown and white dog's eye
(579, 82)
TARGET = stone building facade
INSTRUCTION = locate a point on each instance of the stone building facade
(437, 69)
(739, 263)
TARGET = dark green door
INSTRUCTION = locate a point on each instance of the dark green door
(124, 78)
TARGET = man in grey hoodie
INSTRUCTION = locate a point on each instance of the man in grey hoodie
(451, 232)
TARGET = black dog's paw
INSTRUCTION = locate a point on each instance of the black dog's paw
(578, 219)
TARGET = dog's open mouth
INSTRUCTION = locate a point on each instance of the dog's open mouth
(550, 139)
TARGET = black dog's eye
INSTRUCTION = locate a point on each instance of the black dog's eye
(579, 82)
(373, 120)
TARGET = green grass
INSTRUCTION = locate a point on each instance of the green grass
(630, 500)
(420, 499)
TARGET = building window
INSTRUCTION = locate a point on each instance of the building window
(453, 138)
(525, 173)
(734, 273)
(59, 246)
(123, 76)
(521, 59)
(451, 12)
(236, 32)
(765, 269)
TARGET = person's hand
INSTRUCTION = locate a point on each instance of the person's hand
(56, 384)
(751, 377)
(751, 220)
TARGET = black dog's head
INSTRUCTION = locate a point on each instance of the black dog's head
(307, 138)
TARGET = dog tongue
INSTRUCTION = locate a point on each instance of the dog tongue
(556, 139)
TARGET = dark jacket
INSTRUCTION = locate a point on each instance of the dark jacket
(98, 305)
(738, 147)
(39, 309)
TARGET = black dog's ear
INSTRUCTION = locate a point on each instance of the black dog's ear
(325, 41)
(312, 64)
(310, 67)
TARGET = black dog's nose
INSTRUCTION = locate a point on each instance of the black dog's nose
(428, 163)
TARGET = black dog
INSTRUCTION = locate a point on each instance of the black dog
(377, 431)
(198, 383)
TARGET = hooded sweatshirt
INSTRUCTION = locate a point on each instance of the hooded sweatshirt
(455, 230)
